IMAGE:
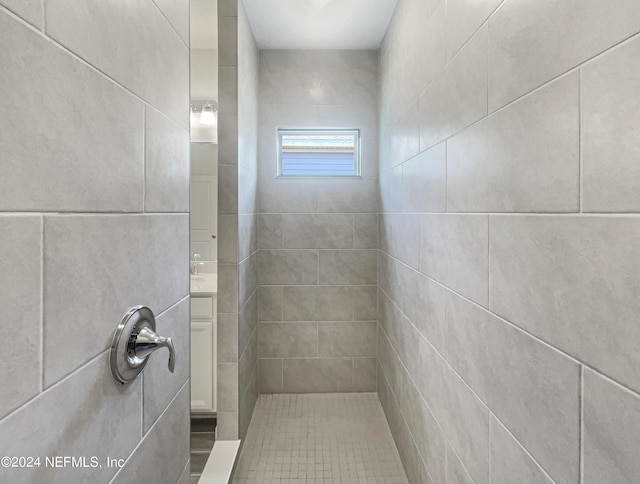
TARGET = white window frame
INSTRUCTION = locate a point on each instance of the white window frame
(357, 163)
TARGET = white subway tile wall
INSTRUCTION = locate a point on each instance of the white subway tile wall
(508, 261)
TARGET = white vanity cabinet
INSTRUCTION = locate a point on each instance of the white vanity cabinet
(203, 353)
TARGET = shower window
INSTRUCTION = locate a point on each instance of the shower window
(319, 152)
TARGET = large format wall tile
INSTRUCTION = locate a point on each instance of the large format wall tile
(166, 171)
(424, 302)
(29, 10)
(347, 195)
(331, 86)
(424, 181)
(464, 17)
(347, 338)
(610, 431)
(534, 42)
(317, 231)
(171, 431)
(401, 333)
(87, 414)
(458, 97)
(400, 237)
(610, 131)
(318, 303)
(348, 267)
(287, 340)
(159, 385)
(454, 251)
(20, 300)
(281, 195)
(532, 388)
(151, 49)
(80, 282)
(86, 129)
(521, 159)
(177, 13)
(462, 416)
(318, 375)
(509, 459)
(573, 282)
(277, 267)
(429, 438)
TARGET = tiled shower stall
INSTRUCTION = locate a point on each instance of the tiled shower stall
(494, 230)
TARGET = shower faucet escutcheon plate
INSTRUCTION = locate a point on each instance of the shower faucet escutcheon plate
(133, 342)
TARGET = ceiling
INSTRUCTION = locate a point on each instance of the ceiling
(319, 24)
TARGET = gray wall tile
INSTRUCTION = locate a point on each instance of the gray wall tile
(280, 195)
(466, 65)
(534, 43)
(610, 111)
(426, 431)
(270, 234)
(458, 97)
(227, 327)
(171, 430)
(20, 298)
(347, 338)
(401, 333)
(365, 231)
(29, 10)
(228, 46)
(118, 278)
(112, 427)
(509, 459)
(159, 385)
(347, 195)
(227, 385)
(270, 375)
(364, 375)
(521, 159)
(424, 302)
(282, 340)
(319, 214)
(365, 301)
(270, 303)
(287, 267)
(424, 181)
(532, 388)
(611, 418)
(318, 375)
(318, 303)
(454, 251)
(591, 262)
(166, 173)
(456, 473)
(400, 237)
(75, 139)
(153, 49)
(177, 13)
(318, 231)
(464, 17)
(462, 416)
(348, 267)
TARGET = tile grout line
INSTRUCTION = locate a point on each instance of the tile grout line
(42, 284)
(581, 427)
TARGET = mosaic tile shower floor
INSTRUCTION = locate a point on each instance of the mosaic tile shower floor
(319, 439)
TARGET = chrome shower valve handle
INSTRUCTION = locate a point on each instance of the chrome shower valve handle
(133, 342)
